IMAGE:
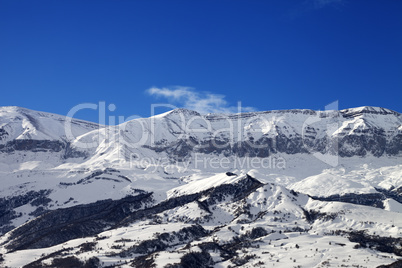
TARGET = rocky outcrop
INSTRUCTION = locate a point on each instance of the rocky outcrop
(8, 205)
(370, 199)
(3, 134)
(394, 193)
(61, 225)
(32, 145)
(46, 146)
(376, 144)
(376, 242)
(165, 240)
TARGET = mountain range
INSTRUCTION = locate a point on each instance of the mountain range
(286, 188)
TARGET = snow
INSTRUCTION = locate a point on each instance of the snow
(121, 147)
(201, 184)
(23, 123)
(392, 205)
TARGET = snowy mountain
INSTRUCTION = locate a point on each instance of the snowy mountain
(181, 133)
(292, 188)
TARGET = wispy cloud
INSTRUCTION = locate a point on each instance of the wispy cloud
(202, 102)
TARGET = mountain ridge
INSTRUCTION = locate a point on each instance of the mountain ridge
(289, 187)
(361, 109)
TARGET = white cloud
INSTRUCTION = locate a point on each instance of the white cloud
(202, 102)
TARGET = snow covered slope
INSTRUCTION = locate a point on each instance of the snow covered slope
(29, 136)
(237, 222)
(181, 133)
(294, 188)
(18, 123)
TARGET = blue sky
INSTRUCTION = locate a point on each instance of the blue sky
(204, 55)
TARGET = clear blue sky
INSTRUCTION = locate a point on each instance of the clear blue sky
(268, 54)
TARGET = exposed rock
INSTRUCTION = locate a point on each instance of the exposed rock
(370, 199)
(62, 225)
(165, 240)
(7, 205)
(32, 145)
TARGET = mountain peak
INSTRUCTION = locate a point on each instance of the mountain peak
(183, 111)
(353, 112)
(10, 109)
